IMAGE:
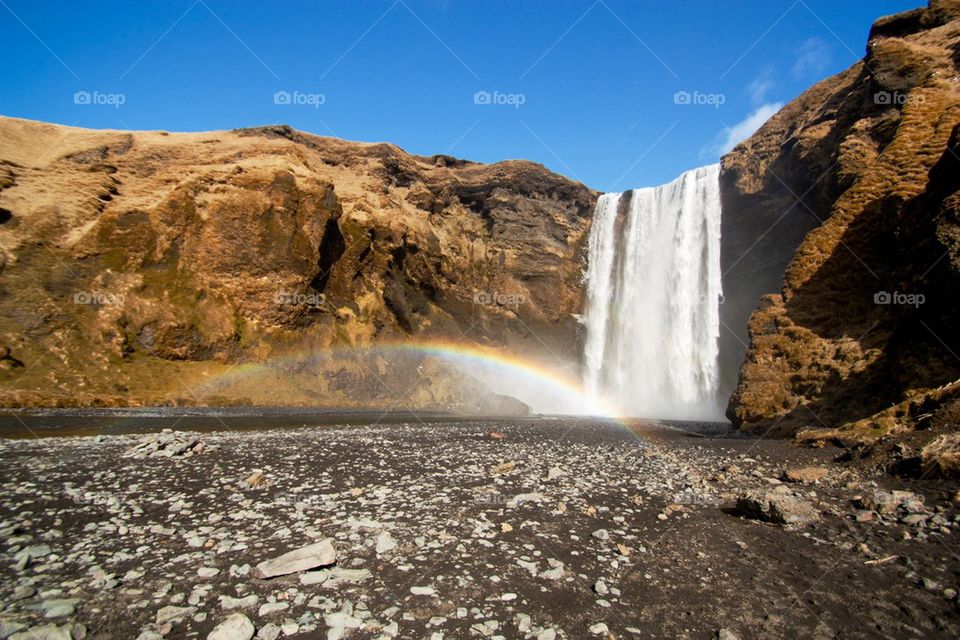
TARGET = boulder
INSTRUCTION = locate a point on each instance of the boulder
(776, 506)
(805, 475)
(318, 554)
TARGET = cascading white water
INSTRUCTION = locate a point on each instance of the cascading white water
(653, 290)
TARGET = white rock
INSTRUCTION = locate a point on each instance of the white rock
(268, 632)
(272, 607)
(318, 554)
(172, 614)
(229, 602)
(423, 591)
(314, 577)
(339, 575)
(46, 632)
(235, 627)
(385, 542)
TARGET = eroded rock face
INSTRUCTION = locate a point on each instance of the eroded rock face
(249, 266)
(851, 193)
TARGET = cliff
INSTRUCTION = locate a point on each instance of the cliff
(841, 218)
(254, 266)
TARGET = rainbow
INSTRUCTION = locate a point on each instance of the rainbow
(464, 356)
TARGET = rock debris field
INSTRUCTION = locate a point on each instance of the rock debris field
(531, 529)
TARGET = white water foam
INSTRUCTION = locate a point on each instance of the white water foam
(652, 299)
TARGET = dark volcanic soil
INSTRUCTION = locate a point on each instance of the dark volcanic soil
(593, 532)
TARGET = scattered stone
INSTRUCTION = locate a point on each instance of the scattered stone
(339, 575)
(52, 632)
(22, 593)
(272, 607)
(314, 577)
(207, 572)
(8, 628)
(236, 627)
(319, 554)
(58, 608)
(599, 629)
(805, 475)
(555, 572)
(26, 555)
(256, 479)
(888, 502)
(777, 506)
(229, 602)
(423, 591)
(385, 543)
(601, 534)
(503, 468)
(167, 444)
(268, 632)
(172, 614)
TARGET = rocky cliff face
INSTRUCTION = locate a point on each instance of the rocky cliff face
(254, 266)
(842, 213)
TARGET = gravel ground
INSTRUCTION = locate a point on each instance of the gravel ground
(526, 529)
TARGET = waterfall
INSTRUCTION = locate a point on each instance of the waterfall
(652, 296)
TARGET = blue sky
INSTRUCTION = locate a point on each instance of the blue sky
(588, 88)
